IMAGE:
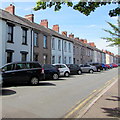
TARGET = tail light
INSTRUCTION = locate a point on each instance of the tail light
(43, 70)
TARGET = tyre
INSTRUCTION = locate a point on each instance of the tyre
(79, 72)
(91, 71)
(34, 81)
(55, 76)
(66, 74)
(98, 70)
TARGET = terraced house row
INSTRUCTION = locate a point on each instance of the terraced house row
(24, 40)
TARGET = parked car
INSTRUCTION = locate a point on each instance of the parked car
(51, 71)
(19, 72)
(0, 80)
(107, 65)
(88, 68)
(104, 66)
(97, 65)
(114, 65)
(111, 66)
(74, 69)
(64, 70)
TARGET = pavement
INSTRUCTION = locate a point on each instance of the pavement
(106, 106)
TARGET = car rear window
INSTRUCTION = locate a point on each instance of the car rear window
(48, 66)
(33, 65)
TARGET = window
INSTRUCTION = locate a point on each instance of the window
(35, 39)
(69, 47)
(35, 57)
(45, 59)
(59, 45)
(65, 46)
(74, 50)
(8, 67)
(69, 60)
(59, 59)
(53, 59)
(65, 60)
(33, 65)
(10, 33)
(74, 60)
(53, 43)
(24, 57)
(24, 36)
(45, 41)
(20, 66)
(86, 66)
(62, 66)
(9, 56)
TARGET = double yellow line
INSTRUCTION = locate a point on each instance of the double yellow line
(73, 112)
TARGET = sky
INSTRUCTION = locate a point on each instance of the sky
(85, 27)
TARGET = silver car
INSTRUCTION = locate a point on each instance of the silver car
(88, 68)
(0, 80)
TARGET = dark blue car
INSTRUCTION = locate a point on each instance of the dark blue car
(104, 66)
(51, 72)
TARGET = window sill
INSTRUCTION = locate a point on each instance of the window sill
(45, 48)
(24, 44)
(10, 42)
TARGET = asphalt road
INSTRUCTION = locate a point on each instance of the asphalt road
(51, 99)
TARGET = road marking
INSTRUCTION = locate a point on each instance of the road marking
(84, 101)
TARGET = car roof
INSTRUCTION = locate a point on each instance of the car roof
(20, 62)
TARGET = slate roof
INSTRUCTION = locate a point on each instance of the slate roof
(20, 20)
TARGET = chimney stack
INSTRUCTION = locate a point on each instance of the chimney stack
(77, 38)
(83, 41)
(10, 9)
(56, 28)
(71, 35)
(92, 44)
(44, 23)
(64, 33)
(30, 17)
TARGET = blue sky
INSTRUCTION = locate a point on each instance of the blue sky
(87, 27)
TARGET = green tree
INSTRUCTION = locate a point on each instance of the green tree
(115, 35)
(83, 6)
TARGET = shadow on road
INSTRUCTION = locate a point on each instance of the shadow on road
(27, 85)
(112, 112)
(7, 92)
(114, 98)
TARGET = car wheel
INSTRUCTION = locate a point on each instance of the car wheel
(66, 74)
(98, 70)
(79, 72)
(34, 81)
(55, 76)
(91, 71)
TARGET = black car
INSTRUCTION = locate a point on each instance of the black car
(74, 69)
(19, 72)
(51, 72)
(97, 65)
